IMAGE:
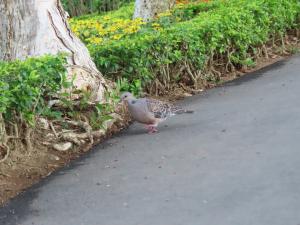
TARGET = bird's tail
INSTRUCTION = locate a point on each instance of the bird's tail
(181, 111)
(189, 111)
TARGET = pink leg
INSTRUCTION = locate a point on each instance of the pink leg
(154, 130)
(151, 129)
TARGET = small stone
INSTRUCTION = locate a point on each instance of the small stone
(52, 103)
(108, 123)
(46, 143)
(50, 136)
(43, 123)
(54, 157)
(62, 147)
(187, 94)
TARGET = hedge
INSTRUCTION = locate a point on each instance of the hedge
(25, 86)
(232, 30)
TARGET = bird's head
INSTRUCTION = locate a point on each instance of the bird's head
(126, 96)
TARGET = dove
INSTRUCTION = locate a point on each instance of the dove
(149, 111)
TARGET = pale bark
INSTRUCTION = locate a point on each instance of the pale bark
(148, 9)
(38, 27)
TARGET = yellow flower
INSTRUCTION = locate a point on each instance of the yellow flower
(179, 5)
(97, 40)
(164, 14)
(155, 24)
(97, 30)
(112, 29)
(106, 17)
(117, 36)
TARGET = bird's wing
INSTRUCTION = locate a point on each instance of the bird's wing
(162, 109)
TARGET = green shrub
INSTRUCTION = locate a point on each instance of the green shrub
(232, 30)
(25, 86)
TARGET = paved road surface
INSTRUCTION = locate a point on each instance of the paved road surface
(235, 162)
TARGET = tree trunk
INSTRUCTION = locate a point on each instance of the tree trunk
(148, 9)
(37, 27)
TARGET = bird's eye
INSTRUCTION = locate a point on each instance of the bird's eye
(125, 96)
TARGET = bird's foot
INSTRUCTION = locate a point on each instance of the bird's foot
(151, 129)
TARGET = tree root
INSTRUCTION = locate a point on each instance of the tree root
(85, 126)
(78, 139)
(53, 129)
(28, 138)
(4, 175)
(7, 153)
(189, 89)
(194, 76)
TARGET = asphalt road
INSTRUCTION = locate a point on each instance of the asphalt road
(236, 161)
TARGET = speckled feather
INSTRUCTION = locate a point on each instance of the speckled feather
(162, 110)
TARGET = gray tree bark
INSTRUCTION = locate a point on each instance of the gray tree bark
(147, 9)
(37, 27)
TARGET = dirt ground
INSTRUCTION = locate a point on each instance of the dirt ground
(23, 169)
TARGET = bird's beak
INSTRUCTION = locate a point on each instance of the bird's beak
(120, 101)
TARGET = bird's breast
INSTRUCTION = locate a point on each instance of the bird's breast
(140, 115)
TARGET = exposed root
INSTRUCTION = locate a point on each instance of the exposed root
(215, 72)
(85, 126)
(189, 89)
(27, 138)
(53, 129)
(77, 139)
(4, 175)
(229, 66)
(194, 76)
(6, 154)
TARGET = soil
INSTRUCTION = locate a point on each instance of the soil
(24, 168)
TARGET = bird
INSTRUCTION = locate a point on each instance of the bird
(150, 112)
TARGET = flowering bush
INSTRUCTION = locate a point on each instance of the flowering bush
(99, 29)
(119, 24)
(92, 31)
(191, 39)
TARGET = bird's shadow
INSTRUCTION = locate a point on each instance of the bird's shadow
(137, 129)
